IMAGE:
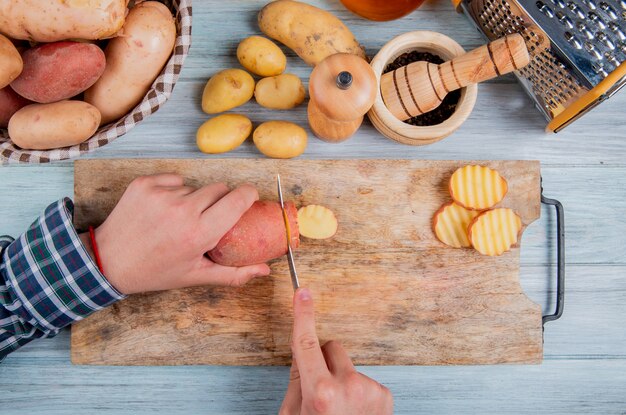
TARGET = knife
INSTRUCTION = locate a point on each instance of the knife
(292, 265)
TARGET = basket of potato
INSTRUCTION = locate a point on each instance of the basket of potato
(75, 76)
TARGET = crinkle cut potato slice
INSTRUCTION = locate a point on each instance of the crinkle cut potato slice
(477, 187)
(450, 225)
(316, 222)
(495, 231)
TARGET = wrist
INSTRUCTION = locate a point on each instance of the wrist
(102, 263)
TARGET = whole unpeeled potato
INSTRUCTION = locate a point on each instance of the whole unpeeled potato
(261, 56)
(60, 70)
(133, 60)
(280, 92)
(10, 62)
(280, 139)
(48, 126)
(223, 133)
(312, 33)
(226, 90)
(53, 20)
(10, 103)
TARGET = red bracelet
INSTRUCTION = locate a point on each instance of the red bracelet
(94, 246)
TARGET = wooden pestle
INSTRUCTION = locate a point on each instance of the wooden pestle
(420, 87)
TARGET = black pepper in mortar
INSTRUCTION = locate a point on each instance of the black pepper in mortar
(448, 105)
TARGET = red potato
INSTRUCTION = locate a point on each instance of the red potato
(258, 237)
(10, 103)
(57, 71)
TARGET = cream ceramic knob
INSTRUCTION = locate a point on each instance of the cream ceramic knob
(420, 87)
(342, 88)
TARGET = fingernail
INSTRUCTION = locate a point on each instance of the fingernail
(304, 294)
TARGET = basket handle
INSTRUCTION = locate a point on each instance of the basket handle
(560, 255)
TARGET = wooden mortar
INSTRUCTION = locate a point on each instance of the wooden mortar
(390, 126)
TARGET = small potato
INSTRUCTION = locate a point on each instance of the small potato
(226, 90)
(223, 133)
(10, 103)
(261, 56)
(10, 62)
(48, 126)
(280, 139)
(134, 60)
(280, 92)
(57, 71)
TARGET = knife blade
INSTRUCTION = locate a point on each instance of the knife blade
(292, 264)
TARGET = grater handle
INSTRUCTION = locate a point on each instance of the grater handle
(420, 87)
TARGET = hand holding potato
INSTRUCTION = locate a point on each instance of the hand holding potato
(323, 380)
(157, 235)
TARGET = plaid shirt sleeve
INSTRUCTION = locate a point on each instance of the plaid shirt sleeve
(47, 280)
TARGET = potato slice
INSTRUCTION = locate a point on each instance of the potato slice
(316, 222)
(450, 225)
(477, 187)
(494, 232)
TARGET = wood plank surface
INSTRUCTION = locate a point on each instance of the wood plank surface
(583, 166)
(390, 291)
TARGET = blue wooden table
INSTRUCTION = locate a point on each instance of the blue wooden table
(584, 370)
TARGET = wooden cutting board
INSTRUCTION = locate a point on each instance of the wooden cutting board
(384, 286)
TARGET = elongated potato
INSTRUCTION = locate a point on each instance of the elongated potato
(280, 139)
(57, 71)
(495, 231)
(312, 33)
(54, 20)
(259, 236)
(226, 90)
(450, 224)
(477, 187)
(134, 60)
(261, 56)
(223, 133)
(10, 62)
(48, 126)
(280, 92)
(10, 103)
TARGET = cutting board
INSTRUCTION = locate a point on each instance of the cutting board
(383, 285)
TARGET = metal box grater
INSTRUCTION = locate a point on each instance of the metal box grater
(577, 49)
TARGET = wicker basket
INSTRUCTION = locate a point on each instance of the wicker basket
(159, 92)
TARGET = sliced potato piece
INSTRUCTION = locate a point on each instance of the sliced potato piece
(450, 225)
(495, 231)
(316, 222)
(477, 187)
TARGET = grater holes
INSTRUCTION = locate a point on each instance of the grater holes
(547, 76)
